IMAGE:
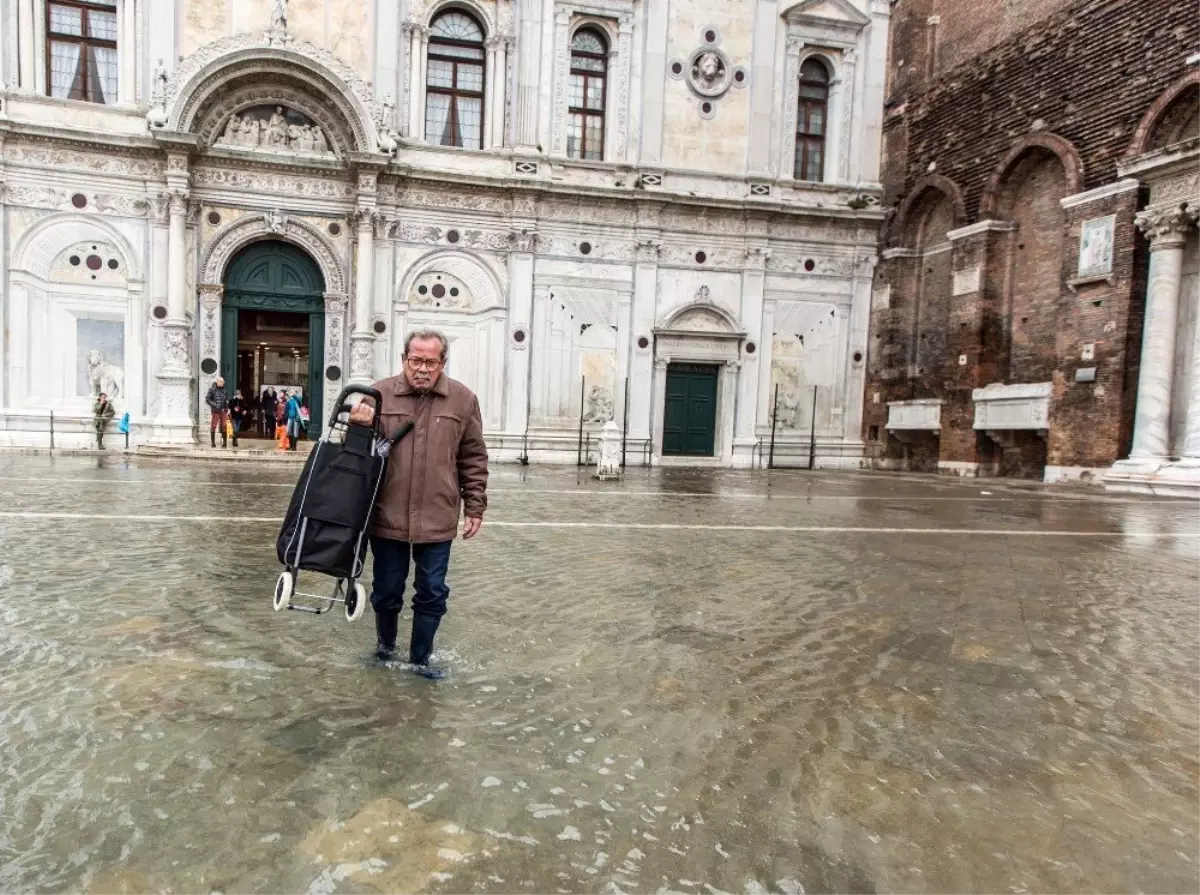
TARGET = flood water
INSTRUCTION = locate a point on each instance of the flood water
(685, 682)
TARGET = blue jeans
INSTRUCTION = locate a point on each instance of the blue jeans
(391, 572)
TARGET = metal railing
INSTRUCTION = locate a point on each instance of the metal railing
(55, 426)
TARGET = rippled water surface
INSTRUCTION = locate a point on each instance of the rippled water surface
(683, 682)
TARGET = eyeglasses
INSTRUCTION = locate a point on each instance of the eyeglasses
(422, 363)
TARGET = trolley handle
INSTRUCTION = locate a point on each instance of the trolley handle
(404, 428)
(342, 405)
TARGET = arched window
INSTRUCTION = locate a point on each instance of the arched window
(811, 119)
(454, 86)
(81, 44)
(589, 83)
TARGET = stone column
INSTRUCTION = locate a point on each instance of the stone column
(1167, 230)
(362, 341)
(641, 369)
(127, 53)
(174, 421)
(487, 138)
(500, 94)
(26, 46)
(539, 360)
(753, 280)
(520, 278)
(529, 61)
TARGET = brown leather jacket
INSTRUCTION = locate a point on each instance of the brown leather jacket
(438, 468)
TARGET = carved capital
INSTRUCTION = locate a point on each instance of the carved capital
(177, 202)
(523, 240)
(211, 293)
(368, 182)
(1167, 227)
(648, 250)
(756, 257)
(365, 220)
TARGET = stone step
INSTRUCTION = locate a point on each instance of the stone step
(256, 454)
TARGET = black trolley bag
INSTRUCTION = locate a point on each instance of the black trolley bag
(325, 529)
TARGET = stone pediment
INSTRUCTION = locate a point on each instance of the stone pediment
(827, 12)
(703, 317)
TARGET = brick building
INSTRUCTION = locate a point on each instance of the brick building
(1034, 309)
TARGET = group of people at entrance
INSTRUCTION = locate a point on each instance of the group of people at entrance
(283, 415)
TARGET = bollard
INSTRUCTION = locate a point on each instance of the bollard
(609, 466)
(51, 430)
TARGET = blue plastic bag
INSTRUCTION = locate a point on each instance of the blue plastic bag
(123, 426)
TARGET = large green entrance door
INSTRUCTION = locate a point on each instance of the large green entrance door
(690, 419)
(274, 277)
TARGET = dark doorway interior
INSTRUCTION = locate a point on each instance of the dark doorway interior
(273, 352)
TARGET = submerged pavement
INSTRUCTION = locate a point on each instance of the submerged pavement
(687, 681)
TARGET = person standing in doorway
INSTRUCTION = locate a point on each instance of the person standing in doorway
(292, 414)
(437, 472)
(268, 403)
(237, 413)
(102, 414)
(218, 403)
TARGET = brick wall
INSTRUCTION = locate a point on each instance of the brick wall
(1076, 76)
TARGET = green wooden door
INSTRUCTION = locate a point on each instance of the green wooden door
(690, 418)
(276, 276)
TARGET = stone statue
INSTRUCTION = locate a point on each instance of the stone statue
(104, 377)
(249, 132)
(279, 16)
(320, 144)
(388, 110)
(232, 132)
(298, 137)
(158, 92)
(276, 136)
(277, 221)
(599, 406)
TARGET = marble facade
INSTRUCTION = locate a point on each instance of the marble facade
(569, 287)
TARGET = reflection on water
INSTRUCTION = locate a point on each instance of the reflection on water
(635, 710)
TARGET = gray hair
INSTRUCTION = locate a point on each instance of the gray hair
(425, 335)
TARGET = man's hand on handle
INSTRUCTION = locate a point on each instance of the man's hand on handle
(362, 413)
(471, 527)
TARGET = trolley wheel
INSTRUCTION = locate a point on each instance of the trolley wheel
(356, 602)
(283, 590)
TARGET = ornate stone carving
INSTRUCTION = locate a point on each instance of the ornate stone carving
(248, 229)
(355, 99)
(523, 240)
(1179, 188)
(36, 196)
(829, 267)
(96, 162)
(125, 206)
(276, 222)
(273, 184)
(1167, 227)
(421, 233)
(648, 250)
(282, 130)
(175, 347)
(709, 72)
(362, 357)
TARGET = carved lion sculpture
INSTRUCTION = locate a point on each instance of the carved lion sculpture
(103, 376)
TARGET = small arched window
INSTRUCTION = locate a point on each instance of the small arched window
(811, 120)
(454, 85)
(589, 87)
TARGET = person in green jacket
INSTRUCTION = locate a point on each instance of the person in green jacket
(102, 413)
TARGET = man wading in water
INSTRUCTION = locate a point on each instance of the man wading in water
(438, 469)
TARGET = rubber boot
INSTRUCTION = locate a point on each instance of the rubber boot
(212, 436)
(387, 625)
(420, 647)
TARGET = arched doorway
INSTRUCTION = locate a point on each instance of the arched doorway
(273, 324)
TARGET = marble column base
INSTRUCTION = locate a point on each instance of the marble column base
(1155, 475)
(174, 423)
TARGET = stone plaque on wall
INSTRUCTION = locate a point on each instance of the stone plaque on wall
(1095, 246)
(881, 297)
(966, 281)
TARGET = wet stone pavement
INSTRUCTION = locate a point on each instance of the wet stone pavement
(685, 682)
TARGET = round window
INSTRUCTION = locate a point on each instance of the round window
(208, 366)
(380, 327)
(75, 260)
(585, 248)
(214, 218)
(810, 265)
(94, 262)
(452, 237)
(519, 336)
(79, 200)
(159, 312)
(751, 347)
(335, 229)
(333, 373)
(643, 342)
(701, 257)
(439, 291)
(113, 263)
